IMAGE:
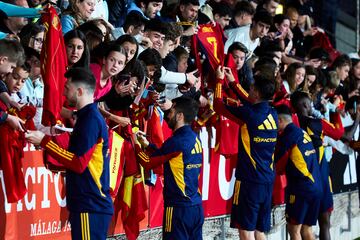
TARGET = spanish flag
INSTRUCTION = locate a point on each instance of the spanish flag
(133, 204)
(54, 61)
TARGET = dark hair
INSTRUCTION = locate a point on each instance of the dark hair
(265, 67)
(181, 52)
(283, 109)
(151, 56)
(26, 66)
(156, 25)
(265, 86)
(146, 2)
(93, 34)
(29, 52)
(268, 47)
(351, 101)
(114, 47)
(136, 70)
(353, 80)
(222, 9)
(101, 21)
(298, 96)
(354, 61)
(263, 16)
(174, 31)
(341, 61)
(238, 46)
(320, 53)
(290, 74)
(134, 19)
(279, 18)
(263, 2)
(243, 7)
(127, 38)
(188, 2)
(84, 61)
(28, 31)
(13, 50)
(310, 70)
(81, 76)
(187, 106)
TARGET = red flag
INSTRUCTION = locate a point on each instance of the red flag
(53, 68)
(11, 150)
(320, 39)
(154, 127)
(133, 205)
(11, 154)
(211, 39)
(227, 131)
(155, 131)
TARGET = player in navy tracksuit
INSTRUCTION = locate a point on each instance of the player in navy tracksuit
(296, 157)
(85, 159)
(254, 171)
(181, 156)
(317, 129)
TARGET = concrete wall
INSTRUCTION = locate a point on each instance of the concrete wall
(342, 227)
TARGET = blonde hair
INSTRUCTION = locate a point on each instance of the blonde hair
(334, 80)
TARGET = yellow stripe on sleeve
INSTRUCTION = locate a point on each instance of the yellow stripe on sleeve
(64, 151)
(59, 153)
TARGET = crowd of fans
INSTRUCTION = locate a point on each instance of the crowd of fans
(143, 47)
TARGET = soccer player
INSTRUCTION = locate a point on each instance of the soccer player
(254, 171)
(317, 129)
(296, 157)
(86, 159)
(181, 156)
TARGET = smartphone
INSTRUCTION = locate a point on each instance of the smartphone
(23, 127)
(123, 78)
(161, 100)
(197, 73)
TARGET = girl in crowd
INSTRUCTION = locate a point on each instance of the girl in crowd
(76, 49)
(94, 36)
(127, 86)
(32, 35)
(131, 47)
(354, 78)
(112, 63)
(294, 77)
(341, 66)
(283, 33)
(104, 27)
(78, 12)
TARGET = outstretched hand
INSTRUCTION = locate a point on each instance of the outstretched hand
(34, 137)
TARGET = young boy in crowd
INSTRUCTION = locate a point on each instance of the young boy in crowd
(13, 83)
(182, 57)
(11, 54)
